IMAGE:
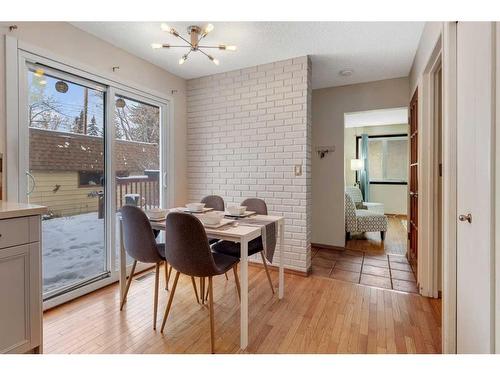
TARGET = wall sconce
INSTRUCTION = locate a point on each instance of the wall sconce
(323, 151)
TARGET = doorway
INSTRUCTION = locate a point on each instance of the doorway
(376, 180)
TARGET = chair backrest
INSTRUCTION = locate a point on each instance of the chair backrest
(255, 204)
(187, 245)
(355, 193)
(350, 214)
(213, 201)
(138, 237)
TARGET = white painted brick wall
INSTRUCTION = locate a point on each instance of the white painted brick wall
(246, 131)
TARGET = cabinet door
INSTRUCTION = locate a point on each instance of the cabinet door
(19, 313)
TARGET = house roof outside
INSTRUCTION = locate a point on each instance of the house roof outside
(60, 151)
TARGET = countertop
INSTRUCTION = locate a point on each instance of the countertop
(10, 210)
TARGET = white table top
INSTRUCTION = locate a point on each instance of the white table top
(229, 231)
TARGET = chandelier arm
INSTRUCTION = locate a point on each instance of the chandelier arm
(206, 54)
(202, 36)
(209, 47)
(187, 41)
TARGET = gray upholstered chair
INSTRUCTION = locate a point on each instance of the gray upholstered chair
(140, 244)
(255, 246)
(217, 203)
(213, 201)
(189, 253)
(363, 220)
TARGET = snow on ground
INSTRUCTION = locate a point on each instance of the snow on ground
(73, 249)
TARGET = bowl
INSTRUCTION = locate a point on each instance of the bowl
(195, 207)
(236, 210)
(211, 218)
(156, 213)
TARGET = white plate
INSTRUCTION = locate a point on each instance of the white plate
(157, 219)
(185, 209)
(246, 214)
(221, 224)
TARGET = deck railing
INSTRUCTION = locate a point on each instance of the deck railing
(144, 189)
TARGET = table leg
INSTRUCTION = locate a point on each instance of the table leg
(244, 294)
(281, 291)
(123, 266)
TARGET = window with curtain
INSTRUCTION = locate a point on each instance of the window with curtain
(387, 159)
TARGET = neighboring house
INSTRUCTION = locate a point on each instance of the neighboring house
(68, 169)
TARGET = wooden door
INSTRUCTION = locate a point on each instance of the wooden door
(475, 137)
(412, 253)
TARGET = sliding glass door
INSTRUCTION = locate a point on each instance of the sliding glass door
(137, 157)
(87, 146)
(66, 130)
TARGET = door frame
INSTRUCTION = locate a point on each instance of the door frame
(428, 234)
(17, 52)
(445, 49)
(497, 193)
(449, 134)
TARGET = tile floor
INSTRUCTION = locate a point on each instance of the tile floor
(384, 271)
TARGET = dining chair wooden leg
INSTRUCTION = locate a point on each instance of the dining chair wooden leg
(170, 299)
(267, 270)
(206, 295)
(157, 284)
(128, 284)
(237, 280)
(225, 274)
(195, 290)
(211, 310)
(202, 290)
(167, 276)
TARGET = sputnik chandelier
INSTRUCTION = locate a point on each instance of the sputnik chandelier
(196, 34)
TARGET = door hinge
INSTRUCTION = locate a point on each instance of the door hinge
(440, 170)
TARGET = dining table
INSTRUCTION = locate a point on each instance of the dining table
(234, 232)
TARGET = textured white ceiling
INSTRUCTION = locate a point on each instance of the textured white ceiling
(373, 50)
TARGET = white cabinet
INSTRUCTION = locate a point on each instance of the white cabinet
(20, 284)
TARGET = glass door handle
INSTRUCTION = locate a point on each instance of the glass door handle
(164, 180)
(33, 183)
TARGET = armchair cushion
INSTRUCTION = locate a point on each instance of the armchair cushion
(362, 220)
(368, 221)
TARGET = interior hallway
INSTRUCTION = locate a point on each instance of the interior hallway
(395, 240)
(318, 315)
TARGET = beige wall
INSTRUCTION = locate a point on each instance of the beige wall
(69, 42)
(394, 197)
(328, 108)
(431, 33)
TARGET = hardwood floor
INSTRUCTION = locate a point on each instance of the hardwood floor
(317, 315)
(395, 241)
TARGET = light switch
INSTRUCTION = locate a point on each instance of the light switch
(298, 170)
